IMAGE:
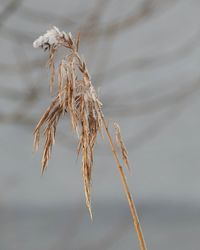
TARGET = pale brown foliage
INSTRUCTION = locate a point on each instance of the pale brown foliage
(77, 98)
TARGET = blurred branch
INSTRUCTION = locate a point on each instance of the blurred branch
(155, 128)
(147, 9)
(10, 93)
(17, 36)
(93, 20)
(10, 8)
(177, 96)
(17, 118)
(25, 67)
(150, 62)
(176, 109)
(46, 17)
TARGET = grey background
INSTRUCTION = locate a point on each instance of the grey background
(144, 60)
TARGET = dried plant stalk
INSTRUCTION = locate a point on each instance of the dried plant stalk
(77, 98)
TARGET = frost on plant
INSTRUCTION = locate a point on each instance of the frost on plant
(50, 38)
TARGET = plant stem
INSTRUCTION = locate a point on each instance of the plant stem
(126, 190)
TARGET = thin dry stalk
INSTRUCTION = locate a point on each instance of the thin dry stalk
(126, 190)
(77, 98)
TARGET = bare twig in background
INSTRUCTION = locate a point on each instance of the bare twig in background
(150, 62)
(42, 16)
(10, 8)
(145, 10)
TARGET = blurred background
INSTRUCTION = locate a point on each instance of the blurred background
(144, 57)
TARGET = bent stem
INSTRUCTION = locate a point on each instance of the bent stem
(77, 97)
(126, 190)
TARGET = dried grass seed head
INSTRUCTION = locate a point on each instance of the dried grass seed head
(76, 97)
(121, 144)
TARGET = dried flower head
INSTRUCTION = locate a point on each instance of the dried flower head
(77, 98)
